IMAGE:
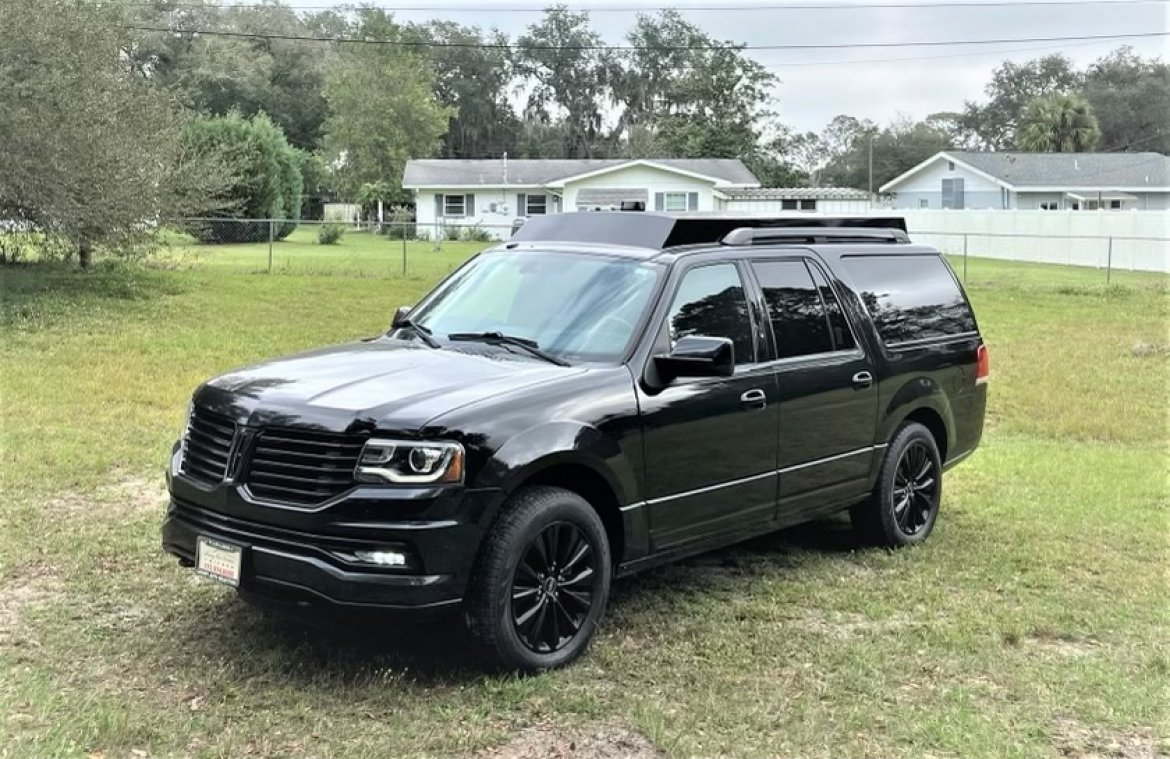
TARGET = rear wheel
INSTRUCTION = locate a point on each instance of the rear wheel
(541, 582)
(904, 505)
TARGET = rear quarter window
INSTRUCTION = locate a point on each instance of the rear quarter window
(910, 297)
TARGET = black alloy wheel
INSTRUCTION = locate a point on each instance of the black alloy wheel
(541, 581)
(904, 504)
(915, 488)
(552, 588)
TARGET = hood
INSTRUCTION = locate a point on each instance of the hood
(389, 384)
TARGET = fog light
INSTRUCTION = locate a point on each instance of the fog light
(381, 558)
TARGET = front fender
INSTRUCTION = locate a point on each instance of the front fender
(563, 442)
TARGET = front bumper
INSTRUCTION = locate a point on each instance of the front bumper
(304, 556)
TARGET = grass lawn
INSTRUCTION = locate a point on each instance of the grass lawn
(1032, 624)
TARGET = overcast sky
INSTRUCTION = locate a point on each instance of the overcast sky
(817, 85)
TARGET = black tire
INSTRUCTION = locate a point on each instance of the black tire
(510, 586)
(904, 505)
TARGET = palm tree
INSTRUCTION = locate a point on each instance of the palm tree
(1059, 122)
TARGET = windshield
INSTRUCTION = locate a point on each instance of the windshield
(573, 305)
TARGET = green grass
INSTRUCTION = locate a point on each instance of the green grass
(357, 254)
(1032, 624)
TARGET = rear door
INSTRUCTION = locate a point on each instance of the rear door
(710, 442)
(828, 396)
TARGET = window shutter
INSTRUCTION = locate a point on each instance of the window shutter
(469, 205)
(521, 209)
(659, 201)
(438, 206)
(692, 201)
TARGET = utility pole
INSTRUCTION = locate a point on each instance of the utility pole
(871, 171)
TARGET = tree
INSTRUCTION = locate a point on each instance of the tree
(1058, 123)
(570, 77)
(267, 173)
(1012, 87)
(473, 73)
(896, 148)
(382, 107)
(697, 96)
(280, 77)
(1130, 96)
(91, 152)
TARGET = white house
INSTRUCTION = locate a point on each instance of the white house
(1037, 181)
(493, 193)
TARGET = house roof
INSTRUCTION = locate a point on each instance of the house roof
(450, 172)
(793, 193)
(1058, 171)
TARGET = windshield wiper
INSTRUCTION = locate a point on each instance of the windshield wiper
(423, 333)
(499, 338)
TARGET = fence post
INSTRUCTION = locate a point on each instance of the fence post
(271, 234)
(404, 250)
(1109, 263)
(964, 258)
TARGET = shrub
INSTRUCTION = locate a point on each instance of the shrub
(452, 234)
(267, 173)
(475, 233)
(330, 234)
(400, 224)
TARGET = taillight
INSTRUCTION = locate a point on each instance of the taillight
(982, 365)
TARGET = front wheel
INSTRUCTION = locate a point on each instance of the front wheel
(541, 582)
(904, 505)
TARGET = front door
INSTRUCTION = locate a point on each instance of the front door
(710, 442)
(828, 394)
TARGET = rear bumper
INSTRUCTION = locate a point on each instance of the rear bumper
(305, 557)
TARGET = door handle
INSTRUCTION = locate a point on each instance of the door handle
(862, 380)
(754, 398)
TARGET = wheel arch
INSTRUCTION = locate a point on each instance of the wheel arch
(925, 402)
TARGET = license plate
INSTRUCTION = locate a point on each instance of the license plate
(219, 561)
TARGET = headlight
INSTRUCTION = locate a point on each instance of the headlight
(410, 462)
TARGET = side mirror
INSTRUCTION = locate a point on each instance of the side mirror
(697, 357)
(400, 315)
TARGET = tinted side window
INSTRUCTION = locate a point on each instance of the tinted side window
(794, 307)
(710, 301)
(838, 326)
(910, 297)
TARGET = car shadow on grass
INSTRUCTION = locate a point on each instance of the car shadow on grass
(303, 646)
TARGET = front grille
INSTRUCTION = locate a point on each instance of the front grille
(302, 467)
(207, 446)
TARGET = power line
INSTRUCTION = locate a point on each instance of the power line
(627, 48)
(803, 6)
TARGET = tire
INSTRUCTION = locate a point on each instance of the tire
(904, 504)
(539, 534)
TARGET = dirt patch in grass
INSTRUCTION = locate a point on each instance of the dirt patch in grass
(30, 585)
(1054, 641)
(1143, 349)
(1076, 741)
(127, 495)
(846, 625)
(592, 742)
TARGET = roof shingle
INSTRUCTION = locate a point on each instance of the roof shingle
(1071, 170)
(491, 172)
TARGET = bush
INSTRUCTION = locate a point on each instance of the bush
(475, 233)
(400, 224)
(452, 234)
(267, 173)
(330, 234)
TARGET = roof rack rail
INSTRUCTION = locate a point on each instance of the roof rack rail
(812, 235)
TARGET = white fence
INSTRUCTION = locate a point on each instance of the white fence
(1135, 240)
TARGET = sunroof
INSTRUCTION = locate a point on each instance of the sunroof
(657, 231)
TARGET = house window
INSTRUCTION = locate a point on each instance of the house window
(535, 205)
(674, 201)
(1076, 206)
(808, 205)
(788, 205)
(454, 205)
(1049, 205)
(1115, 205)
(950, 165)
(923, 203)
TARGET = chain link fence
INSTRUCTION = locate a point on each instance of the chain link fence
(398, 248)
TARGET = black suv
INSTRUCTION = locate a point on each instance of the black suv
(603, 393)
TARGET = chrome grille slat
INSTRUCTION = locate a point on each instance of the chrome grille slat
(208, 445)
(302, 467)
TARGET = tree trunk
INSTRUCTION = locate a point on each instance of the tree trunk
(84, 253)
